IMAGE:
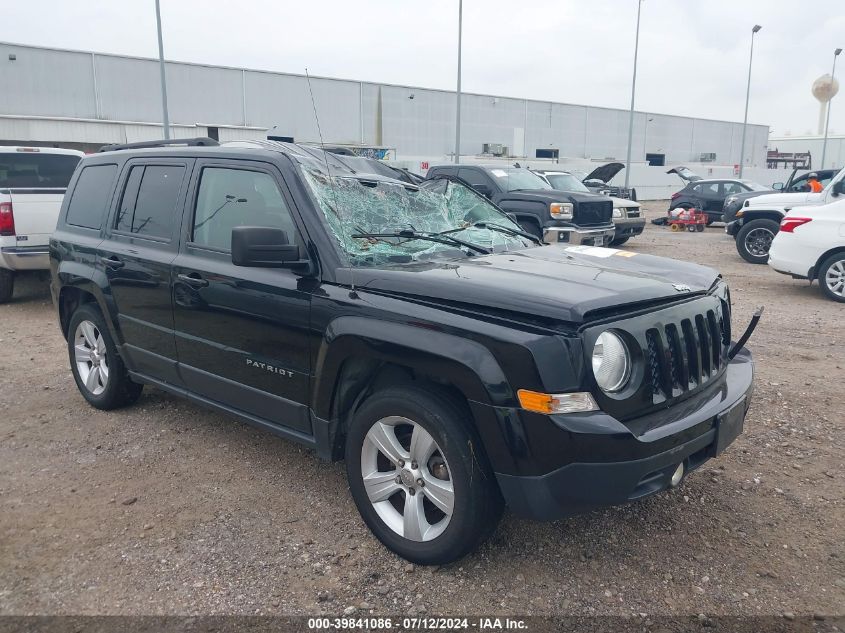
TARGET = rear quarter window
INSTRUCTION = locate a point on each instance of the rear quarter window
(91, 196)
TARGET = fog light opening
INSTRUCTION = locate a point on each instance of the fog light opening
(677, 475)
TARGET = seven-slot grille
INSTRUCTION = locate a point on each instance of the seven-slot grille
(686, 355)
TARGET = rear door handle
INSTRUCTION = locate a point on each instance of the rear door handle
(112, 262)
(193, 280)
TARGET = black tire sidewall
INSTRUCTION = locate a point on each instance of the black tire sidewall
(827, 263)
(475, 494)
(7, 284)
(119, 389)
(745, 230)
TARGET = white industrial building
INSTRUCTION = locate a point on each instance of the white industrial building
(84, 99)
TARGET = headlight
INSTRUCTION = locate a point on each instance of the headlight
(561, 210)
(618, 212)
(611, 362)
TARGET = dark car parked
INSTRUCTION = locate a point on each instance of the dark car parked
(735, 202)
(709, 195)
(414, 330)
(598, 181)
(555, 216)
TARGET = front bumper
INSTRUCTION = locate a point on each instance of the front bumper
(628, 227)
(25, 257)
(644, 454)
(600, 236)
(732, 228)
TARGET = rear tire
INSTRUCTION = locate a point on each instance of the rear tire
(755, 239)
(98, 369)
(7, 284)
(831, 277)
(405, 435)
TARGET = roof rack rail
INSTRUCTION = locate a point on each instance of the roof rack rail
(200, 141)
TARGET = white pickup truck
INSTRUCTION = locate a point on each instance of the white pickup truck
(32, 184)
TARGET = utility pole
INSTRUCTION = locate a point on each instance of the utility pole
(754, 30)
(165, 117)
(827, 121)
(633, 92)
(458, 109)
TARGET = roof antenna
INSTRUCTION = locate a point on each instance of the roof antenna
(352, 293)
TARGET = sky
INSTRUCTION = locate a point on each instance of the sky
(693, 54)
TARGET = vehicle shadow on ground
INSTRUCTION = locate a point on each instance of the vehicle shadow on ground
(29, 287)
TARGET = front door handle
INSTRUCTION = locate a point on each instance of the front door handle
(193, 280)
(112, 262)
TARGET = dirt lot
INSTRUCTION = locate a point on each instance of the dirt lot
(165, 508)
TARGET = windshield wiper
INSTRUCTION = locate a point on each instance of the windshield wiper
(495, 227)
(507, 230)
(431, 237)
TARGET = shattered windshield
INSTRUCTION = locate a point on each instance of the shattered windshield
(439, 209)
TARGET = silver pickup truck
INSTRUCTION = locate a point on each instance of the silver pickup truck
(32, 184)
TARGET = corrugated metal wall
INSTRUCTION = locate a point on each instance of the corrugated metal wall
(416, 121)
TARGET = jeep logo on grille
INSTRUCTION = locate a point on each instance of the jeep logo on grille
(682, 287)
(268, 367)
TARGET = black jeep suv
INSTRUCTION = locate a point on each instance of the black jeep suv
(415, 330)
(555, 216)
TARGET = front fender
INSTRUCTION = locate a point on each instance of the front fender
(461, 362)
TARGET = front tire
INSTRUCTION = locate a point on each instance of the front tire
(418, 474)
(619, 241)
(7, 284)
(832, 277)
(755, 239)
(98, 370)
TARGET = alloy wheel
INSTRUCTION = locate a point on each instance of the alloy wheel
(91, 357)
(834, 278)
(407, 479)
(758, 241)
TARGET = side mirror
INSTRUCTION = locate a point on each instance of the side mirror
(263, 247)
(838, 187)
(778, 186)
(484, 190)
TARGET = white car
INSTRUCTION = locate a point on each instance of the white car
(811, 245)
(32, 185)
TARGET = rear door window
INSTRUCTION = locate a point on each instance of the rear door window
(34, 170)
(91, 196)
(149, 201)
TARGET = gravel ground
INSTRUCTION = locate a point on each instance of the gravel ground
(166, 508)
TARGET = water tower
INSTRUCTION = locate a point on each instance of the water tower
(824, 89)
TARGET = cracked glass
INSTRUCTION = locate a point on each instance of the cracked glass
(354, 206)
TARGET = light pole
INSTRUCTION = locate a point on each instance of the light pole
(165, 117)
(754, 30)
(827, 121)
(633, 92)
(458, 92)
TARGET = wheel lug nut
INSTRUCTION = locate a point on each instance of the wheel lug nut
(401, 463)
(412, 492)
(420, 483)
(414, 465)
(398, 479)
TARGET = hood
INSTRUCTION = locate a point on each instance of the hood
(553, 282)
(605, 173)
(545, 195)
(624, 202)
(785, 199)
(684, 173)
